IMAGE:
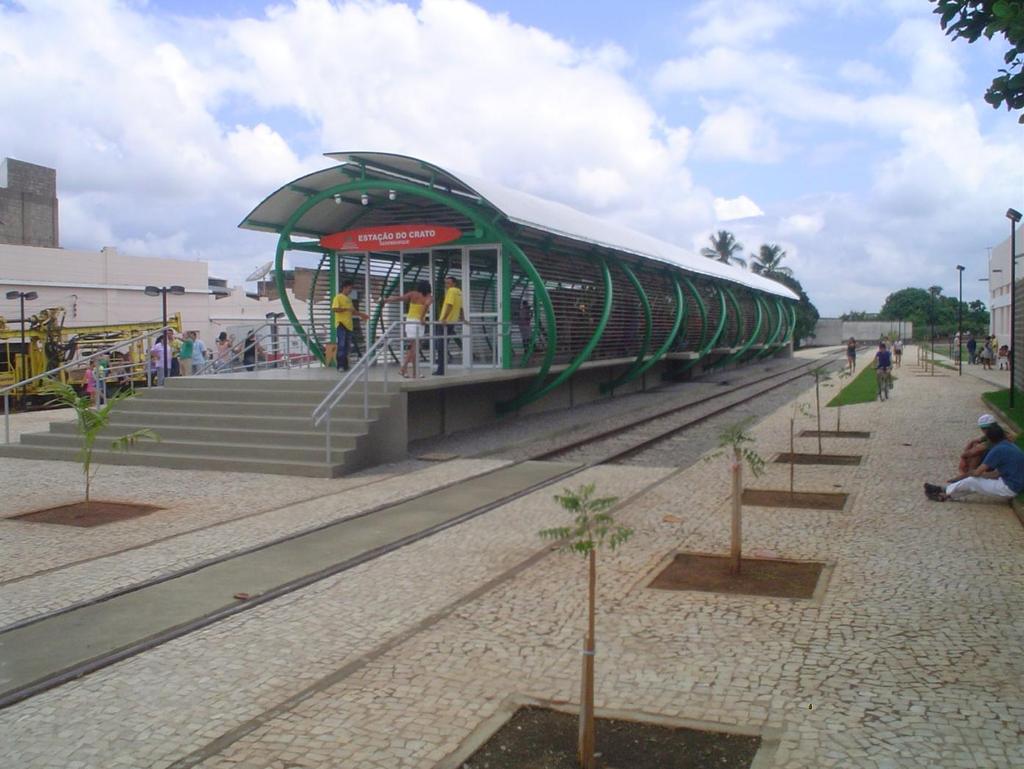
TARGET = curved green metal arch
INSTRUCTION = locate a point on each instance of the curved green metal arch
(531, 395)
(771, 344)
(758, 319)
(792, 323)
(735, 342)
(741, 325)
(483, 226)
(636, 371)
(761, 304)
(701, 308)
(645, 303)
(780, 341)
(719, 330)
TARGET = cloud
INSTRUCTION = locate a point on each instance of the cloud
(863, 73)
(164, 125)
(165, 130)
(737, 133)
(736, 208)
(738, 23)
(801, 224)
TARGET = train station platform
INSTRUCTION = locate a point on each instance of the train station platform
(263, 420)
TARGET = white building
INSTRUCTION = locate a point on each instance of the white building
(108, 287)
(999, 285)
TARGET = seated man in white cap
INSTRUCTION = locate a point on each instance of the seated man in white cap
(975, 450)
(1000, 474)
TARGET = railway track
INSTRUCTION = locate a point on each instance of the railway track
(607, 446)
(543, 468)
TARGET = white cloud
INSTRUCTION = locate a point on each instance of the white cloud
(863, 73)
(166, 131)
(737, 133)
(739, 23)
(740, 207)
(801, 224)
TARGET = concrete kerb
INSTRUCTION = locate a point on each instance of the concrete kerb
(765, 756)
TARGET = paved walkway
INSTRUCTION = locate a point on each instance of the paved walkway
(910, 659)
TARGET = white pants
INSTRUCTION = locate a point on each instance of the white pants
(989, 487)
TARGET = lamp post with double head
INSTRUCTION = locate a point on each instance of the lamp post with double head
(960, 322)
(275, 340)
(1014, 216)
(22, 297)
(163, 291)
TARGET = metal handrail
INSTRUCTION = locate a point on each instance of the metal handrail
(361, 368)
(216, 366)
(6, 391)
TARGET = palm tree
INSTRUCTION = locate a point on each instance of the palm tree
(768, 259)
(724, 248)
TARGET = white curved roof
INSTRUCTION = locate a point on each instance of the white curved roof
(518, 207)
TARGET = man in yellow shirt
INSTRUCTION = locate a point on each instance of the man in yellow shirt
(343, 312)
(448, 321)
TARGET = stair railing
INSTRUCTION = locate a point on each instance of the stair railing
(130, 368)
(271, 350)
(359, 372)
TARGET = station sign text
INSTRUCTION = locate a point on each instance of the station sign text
(391, 237)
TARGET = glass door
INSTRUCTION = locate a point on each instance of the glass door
(481, 307)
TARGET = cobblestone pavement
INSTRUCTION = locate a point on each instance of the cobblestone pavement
(910, 659)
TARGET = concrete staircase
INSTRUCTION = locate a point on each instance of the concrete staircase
(241, 424)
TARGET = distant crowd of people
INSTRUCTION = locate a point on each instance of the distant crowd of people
(989, 354)
(188, 354)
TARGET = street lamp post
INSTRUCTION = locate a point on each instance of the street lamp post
(960, 322)
(163, 291)
(1014, 216)
(22, 296)
(275, 340)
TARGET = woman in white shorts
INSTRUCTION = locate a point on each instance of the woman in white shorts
(419, 301)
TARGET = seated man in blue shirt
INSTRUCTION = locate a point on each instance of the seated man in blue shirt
(1000, 474)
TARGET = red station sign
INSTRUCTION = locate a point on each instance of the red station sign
(391, 237)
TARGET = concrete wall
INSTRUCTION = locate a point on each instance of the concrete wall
(28, 204)
(435, 412)
(829, 332)
(107, 287)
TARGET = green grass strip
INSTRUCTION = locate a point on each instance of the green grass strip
(1001, 400)
(863, 389)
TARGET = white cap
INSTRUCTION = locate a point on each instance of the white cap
(985, 420)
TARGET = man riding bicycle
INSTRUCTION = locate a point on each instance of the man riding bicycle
(883, 371)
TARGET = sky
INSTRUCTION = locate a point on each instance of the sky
(852, 134)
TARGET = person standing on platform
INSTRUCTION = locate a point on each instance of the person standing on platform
(198, 352)
(185, 354)
(448, 321)
(344, 310)
(419, 300)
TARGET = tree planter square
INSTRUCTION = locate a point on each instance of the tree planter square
(543, 738)
(807, 500)
(817, 459)
(768, 577)
(88, 514)
(835, 433)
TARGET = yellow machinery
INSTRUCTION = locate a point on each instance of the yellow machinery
(50, 345)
